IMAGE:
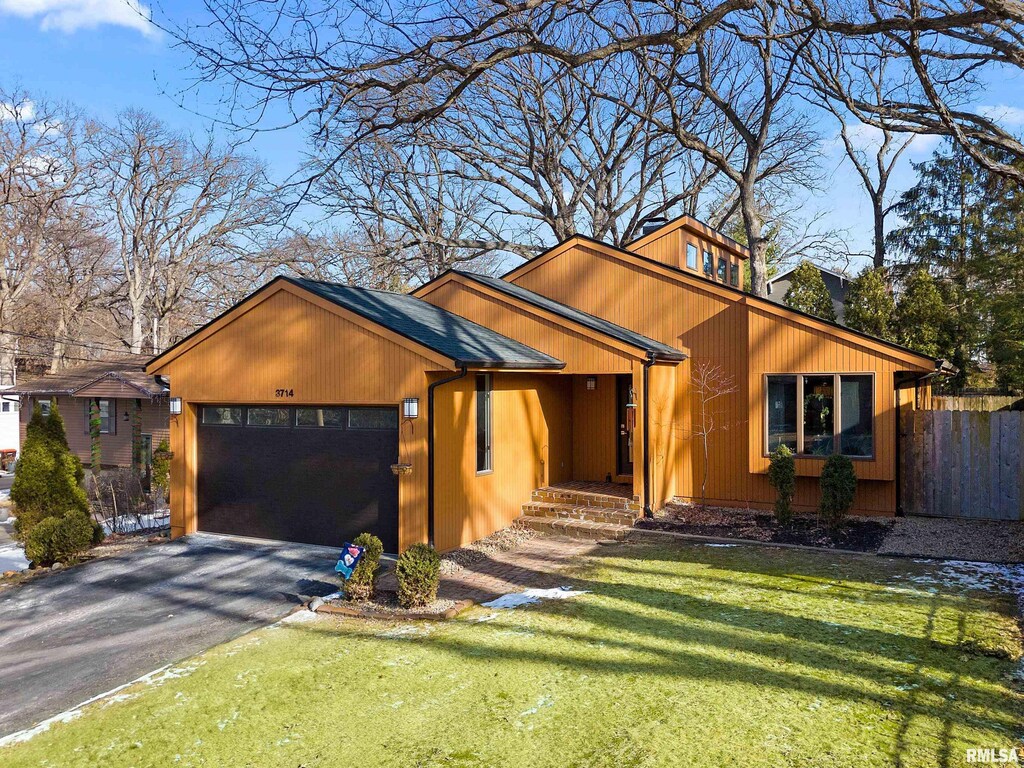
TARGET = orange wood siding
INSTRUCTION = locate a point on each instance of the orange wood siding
(532, 439)
(725, 328)
(288, 342)
(594, 428)
(581, 350)
(116, 448)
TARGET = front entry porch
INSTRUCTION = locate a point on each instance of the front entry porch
(593, 510)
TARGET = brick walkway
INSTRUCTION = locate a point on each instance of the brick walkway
(539, 562)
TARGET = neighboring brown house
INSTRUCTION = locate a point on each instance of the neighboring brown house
(119, 385)
(313, 411)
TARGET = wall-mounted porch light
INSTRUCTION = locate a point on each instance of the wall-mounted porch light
(411, 407)
(591, 382)
(175, 406)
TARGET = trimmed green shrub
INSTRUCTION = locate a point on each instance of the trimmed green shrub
(838, 486)
(418, 572)
(60, 539)
(47, 480)
(360, 586)
(782, 476)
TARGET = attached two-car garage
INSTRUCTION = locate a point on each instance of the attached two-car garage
(310, 474)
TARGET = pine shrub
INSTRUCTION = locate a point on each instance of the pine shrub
(418, 572)
(360, 586)
(59, 539)
(48, 478)
(782, 476)
(838, 486)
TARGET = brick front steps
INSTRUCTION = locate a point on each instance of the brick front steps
(586, 511)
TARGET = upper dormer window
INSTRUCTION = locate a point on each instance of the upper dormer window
(709, 263)
(691, 256)
(723, 270)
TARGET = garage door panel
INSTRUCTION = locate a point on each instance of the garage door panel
(316, 485)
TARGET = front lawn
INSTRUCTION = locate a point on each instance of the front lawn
(690, 656)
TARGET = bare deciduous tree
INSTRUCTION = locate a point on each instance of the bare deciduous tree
(710, 384)
(180, 210)
(42, 171)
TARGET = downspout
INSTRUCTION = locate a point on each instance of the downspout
(430, 448)
(647, 363)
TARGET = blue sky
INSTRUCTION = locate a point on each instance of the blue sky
(104, 56)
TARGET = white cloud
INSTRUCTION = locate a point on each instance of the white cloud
(1004, 114)
(24, 110)
(72, 15)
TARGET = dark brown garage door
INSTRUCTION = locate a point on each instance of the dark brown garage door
(305, 474)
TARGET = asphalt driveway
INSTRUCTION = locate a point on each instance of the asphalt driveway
(74, 634)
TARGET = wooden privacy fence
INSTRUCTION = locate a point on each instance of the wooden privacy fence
(976, 402)
(962, 464)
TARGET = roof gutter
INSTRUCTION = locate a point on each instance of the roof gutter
(648, 512)
(430, 447)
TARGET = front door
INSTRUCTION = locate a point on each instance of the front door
(625, 423)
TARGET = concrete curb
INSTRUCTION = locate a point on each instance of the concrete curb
(353, 611)
(641, 533)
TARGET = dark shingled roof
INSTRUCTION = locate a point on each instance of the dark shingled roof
(453, 336)
(594, 323)
(127, 368)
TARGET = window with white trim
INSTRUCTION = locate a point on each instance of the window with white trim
(818, 414)
(107, 414)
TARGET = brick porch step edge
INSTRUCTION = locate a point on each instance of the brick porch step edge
(584, 499)
(577, 529)
(573, 512)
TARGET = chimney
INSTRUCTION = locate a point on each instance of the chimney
(654, 223)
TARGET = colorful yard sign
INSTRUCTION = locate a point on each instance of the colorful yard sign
(350, 556)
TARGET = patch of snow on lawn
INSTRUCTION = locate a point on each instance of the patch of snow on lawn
(964, 574)
(12, 558)
(530, 596)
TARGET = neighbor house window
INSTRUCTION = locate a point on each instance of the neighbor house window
(691, 256)
(268, 417)
(44, 407)
(108, 416)
(483, 423)
(734, 276)
(7, 406)
(723, 270)
(709, 263)
(222, 415)
(820, 414)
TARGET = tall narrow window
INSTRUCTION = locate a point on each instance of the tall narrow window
(483, 423)
(691, 256)
(856, 437)
(819, 415)
(709, 263)
(723, 270)
(782, 414)
(734, 276)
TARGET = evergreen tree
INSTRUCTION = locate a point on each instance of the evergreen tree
(869, 305)
(945, 216)
(47, 482)
(807, 292)
(921, 314)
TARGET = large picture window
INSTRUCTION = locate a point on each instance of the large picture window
(820, 414)
(483, 423)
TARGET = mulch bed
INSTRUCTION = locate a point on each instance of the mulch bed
(385, 606)
(858, 534)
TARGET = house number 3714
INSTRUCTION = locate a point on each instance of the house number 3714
(284, 392)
